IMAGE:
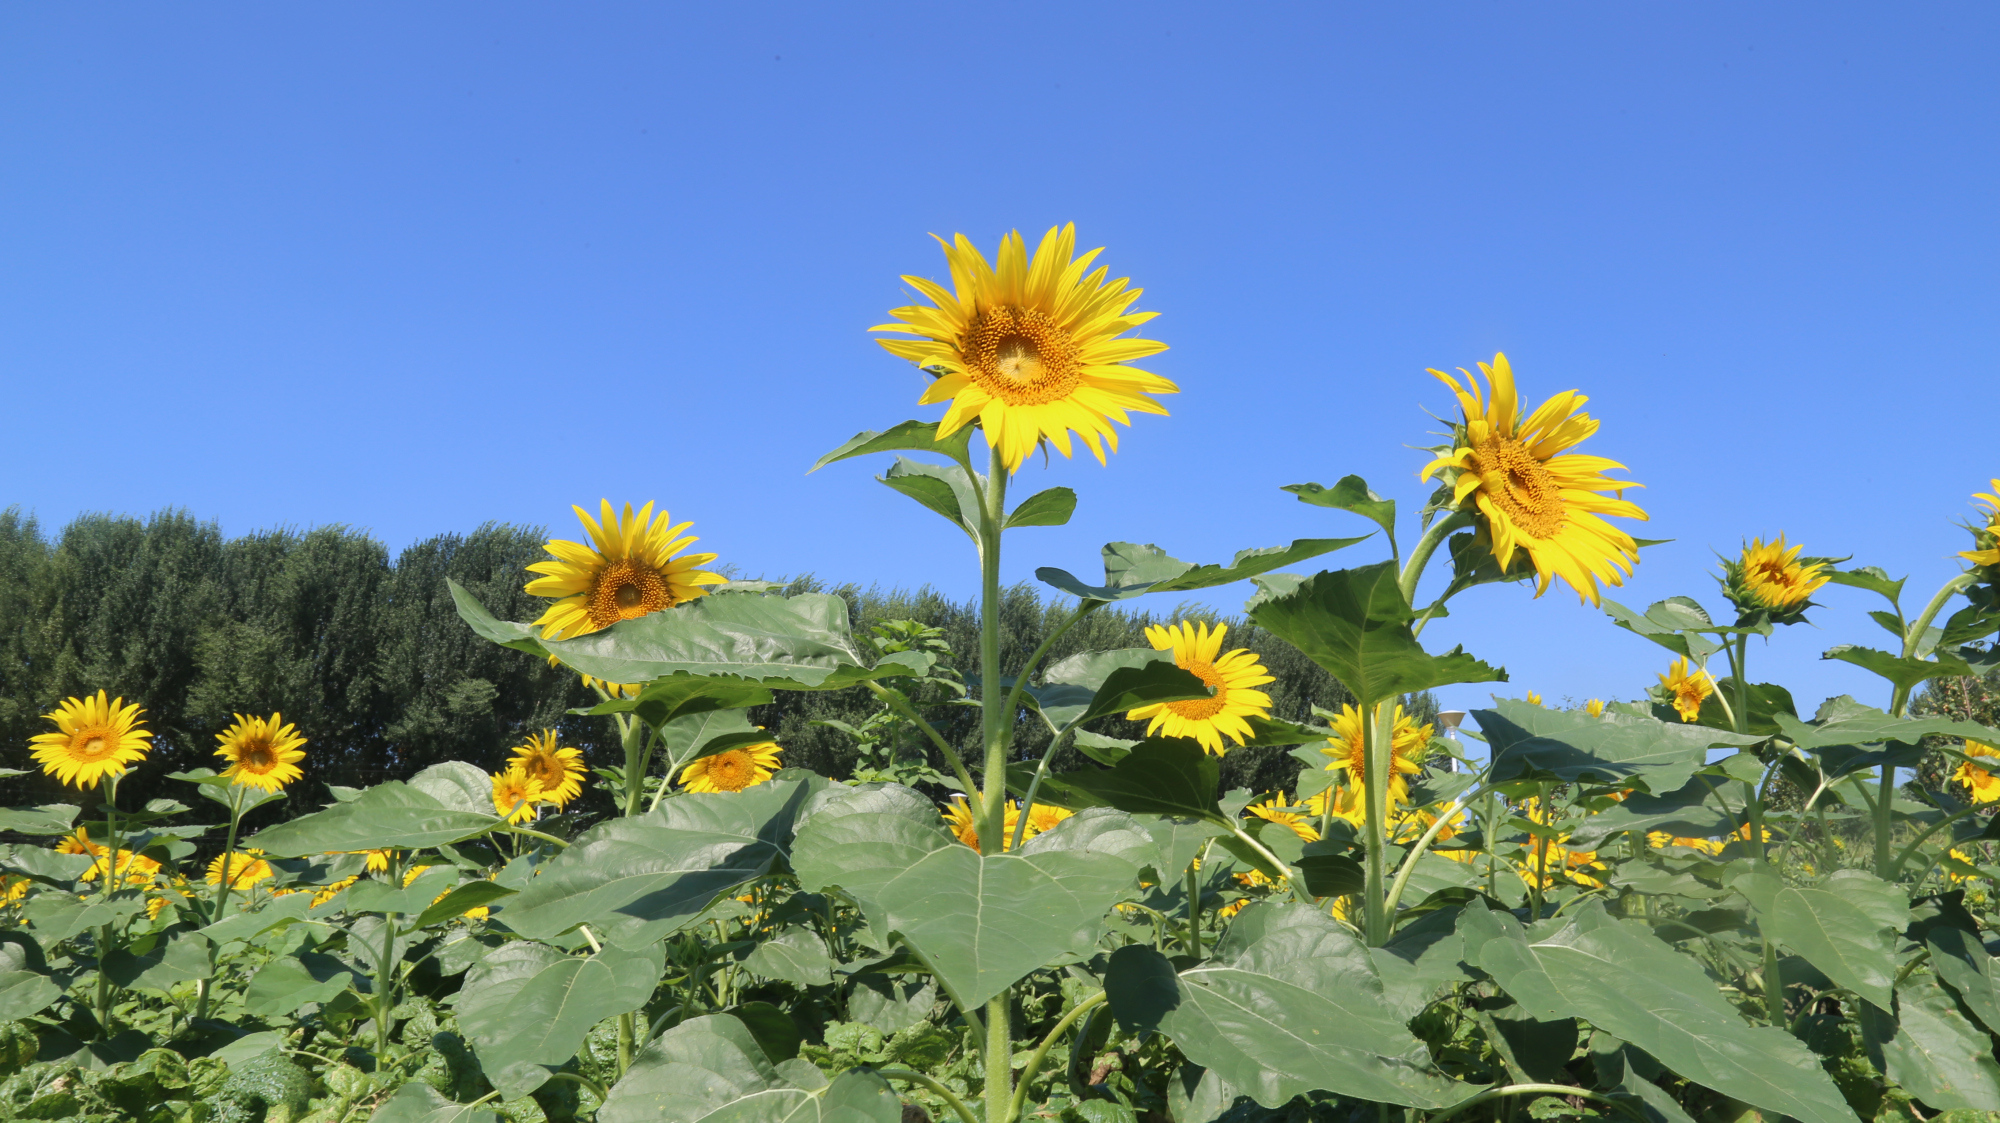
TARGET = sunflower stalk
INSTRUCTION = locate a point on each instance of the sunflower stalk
(1378, 723)
(1884, 809)
(221, 892)
(996, 726)
(385, 967)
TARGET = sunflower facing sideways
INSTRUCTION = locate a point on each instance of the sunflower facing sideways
(1030, 348)
(1984, 785)
(627, 570)
(732, 770)
(1987, 537)
(1231, 678)
(1770, 578)
(1529, 493)
(261, 754)
(95, 737)
(515, 794)
(1686, 688)
(558, 771)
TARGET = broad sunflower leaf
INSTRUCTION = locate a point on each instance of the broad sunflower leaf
(1290, 1003)
(796, 955)
(1665, 630)
(418, 1102)
(637, 880)
(786, 643)
(1622, 979)
(1846, 925)
(1872, 578)
(711, 1070)
(1529, 742)
(522, 1023)
(388, 815)
(982, 923)
(520, 637)
(178, 957)
(1905, 673)
(1178, 841)
(1690, 811)
(49, 818)
(288, 982)
(1159, 776)
(1768, 703)
(1931, 1049)
(43, 865)
(1356, 624)
(947, 489)
(56, 916)
(1351, 493)
(1052, 507)
(679, 698)
(1843, 721)
(23, 994)
(1132, 570)
(471, 895)
(910, 436)
(1963, 964)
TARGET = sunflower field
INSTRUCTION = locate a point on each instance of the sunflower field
(1701, 904)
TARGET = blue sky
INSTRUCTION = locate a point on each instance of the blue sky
(415, 268)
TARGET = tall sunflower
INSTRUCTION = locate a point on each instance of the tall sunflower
(559, 771)
(1771, 577)
(515, 794)
(1987, 539)
(1030, 348)
(1409, 744)
(1687, 688)
(95, 737)
(1230, 677)
(628, 570)
(732, 770)
(1528, 492)
(261, 753)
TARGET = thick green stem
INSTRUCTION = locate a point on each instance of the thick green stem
(112, 878)
(632, 734)
(1378, 723)
(1413, 570)
(996, 722)
(1193, 884)
(385, 968)
(940, 1091)
(1041, 1052)
(1417, 851)
(221, 892)
(1000, 1058)
(1899, 699)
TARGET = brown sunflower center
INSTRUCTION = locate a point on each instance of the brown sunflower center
(256, 756)
(731, 770)
(1021, 356)
(625, 590)
(1521, 486)
(93, 743)
(1200, 709)
(546, 771)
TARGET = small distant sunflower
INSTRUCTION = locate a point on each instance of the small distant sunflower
(78, 842)
(732, 770)
(559, 771)
(1030, 348)
(1534, 699)
(628, 570)
(1529, 493)
(133, 871)
(1409, 744)
(13, 889)
(1771, 577)
(1277, 809)
(244, 868)
(261, 753)
(329, 892)
(378, 860)
(1985, 785)
(94, 738)
(515, 794)
(1660, 840)
(1987, 539)
(1230, 678)
(1594, 707)
(1688, 687)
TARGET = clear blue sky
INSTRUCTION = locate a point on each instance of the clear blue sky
(412, 268)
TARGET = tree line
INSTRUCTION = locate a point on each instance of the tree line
(364, 651)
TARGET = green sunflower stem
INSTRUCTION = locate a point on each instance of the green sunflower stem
(1899, 700)
(1378, 723)
(221, 891)
(111, 843)
(385, 968)
(1420, 556)
(631, 734)
(996, 724)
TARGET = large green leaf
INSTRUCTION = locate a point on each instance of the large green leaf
(636, 880)
(685, 699)
(1620, 978)
(786, 643)
(947, 489)
(1844, 721)
(49, 818)
(520, 637)
(1690, 811)
(1932, 1050)
(1351, 493)
(711, 1070)
(1132, 570)
(1356, 624)
(1051, 507)
(1962, 962)
(1159, 776)
(1529, 742)
(1290, 1003)
(1846, 925)
(57, 916)
(1664, 622)
(418, 1102)
(796, 955)
(981, 922)
(42, 864)
(910, 436)
(179, 956)
(288, 982)
(520, 1021)
(1902, 672)
(23, 994)
(391, 814)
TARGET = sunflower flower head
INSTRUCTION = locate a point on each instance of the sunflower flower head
(515, 794)
(95, 737)
(1526, 492)
(627, 570)
(732, 770)
(1594, 707)
(1534, 699)
(78, 842)
(133, 871)
(1986, 539)
(558, 770)
(1984, 785)
(1033, 348)
(1685, 688)
(1279, 809)
(1231, 678)
(243, 868)
(1769, 581)
(262, 753)
(1409, 746)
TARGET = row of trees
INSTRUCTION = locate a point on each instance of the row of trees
(365, 652)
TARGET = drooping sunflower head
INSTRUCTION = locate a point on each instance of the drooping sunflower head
(1685, 688)
(95, 737)
(262, 753)
(244, 868)
(1526, 491)
(1032, 348)
(1770, 580)
(1984, 785)
(1986, 539)
(557, 770)
(627, 570)
(732, 770)
(1231, 679)
(1409, 746)
(515, 794)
